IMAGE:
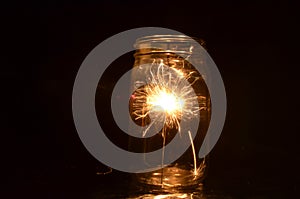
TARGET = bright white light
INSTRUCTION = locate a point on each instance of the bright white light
(162, 99)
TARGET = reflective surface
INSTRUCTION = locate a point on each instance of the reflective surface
(195, 195)
(73, 182)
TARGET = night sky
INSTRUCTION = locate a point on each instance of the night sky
(253, 44)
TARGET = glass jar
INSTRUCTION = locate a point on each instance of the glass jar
(161, 97)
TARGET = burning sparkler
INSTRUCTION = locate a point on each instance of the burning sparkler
(166, 98)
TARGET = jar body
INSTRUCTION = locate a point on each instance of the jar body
(169, 58)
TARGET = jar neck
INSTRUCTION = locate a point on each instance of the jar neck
(171, 44)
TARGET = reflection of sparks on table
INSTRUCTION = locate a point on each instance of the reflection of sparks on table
(166, 97)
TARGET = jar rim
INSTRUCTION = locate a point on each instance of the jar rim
(178, 44)
(168, 39)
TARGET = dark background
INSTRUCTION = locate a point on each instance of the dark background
(253, 44)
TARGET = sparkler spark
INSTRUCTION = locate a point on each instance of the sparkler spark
(166, 97)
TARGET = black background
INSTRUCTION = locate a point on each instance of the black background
(253, 44)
